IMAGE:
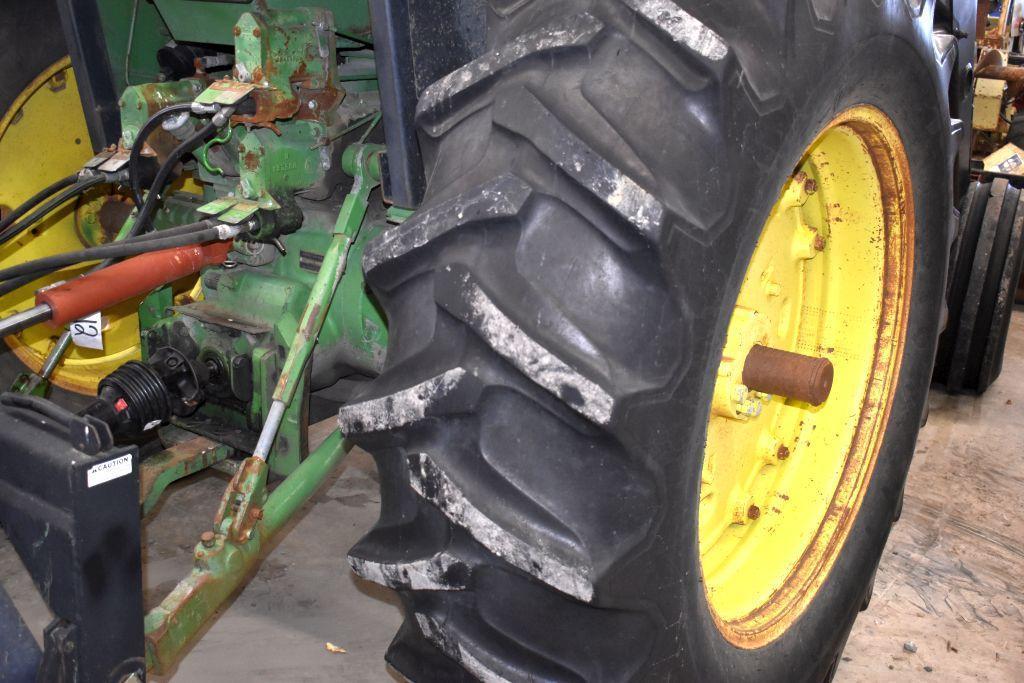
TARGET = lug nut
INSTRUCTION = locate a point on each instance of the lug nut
(784, 373)
(207, 538)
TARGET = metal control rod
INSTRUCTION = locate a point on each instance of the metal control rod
(350, 219)
(19, 321)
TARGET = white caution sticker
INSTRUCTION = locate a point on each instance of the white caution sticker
(109, 470)
(87, 332)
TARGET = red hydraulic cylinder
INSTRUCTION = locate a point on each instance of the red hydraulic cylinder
(129, 278)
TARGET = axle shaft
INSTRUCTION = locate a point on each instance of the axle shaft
(784, 373)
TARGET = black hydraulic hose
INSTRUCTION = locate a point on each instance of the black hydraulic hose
(196, 235)
(29, 203)
(78, 188)
(163, 175)
(140, 141)
(14, 276)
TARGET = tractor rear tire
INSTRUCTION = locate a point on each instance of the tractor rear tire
(558, 308)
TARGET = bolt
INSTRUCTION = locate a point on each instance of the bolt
(256, 32)
(810, 186)
(819, 243)
(237, 31)
(752, 408)
(753, 512)
(312, 104)
(207, 539)
(782, 453)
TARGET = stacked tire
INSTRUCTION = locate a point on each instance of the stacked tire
(985, 268)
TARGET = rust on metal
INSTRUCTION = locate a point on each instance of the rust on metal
(893, 170)
(784, 373)
(237, 502)
(782, 453)
(251, 160)
(191, 456)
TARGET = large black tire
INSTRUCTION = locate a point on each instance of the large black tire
(986, 268)
(557, 309)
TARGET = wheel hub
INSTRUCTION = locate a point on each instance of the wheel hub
(790, 445)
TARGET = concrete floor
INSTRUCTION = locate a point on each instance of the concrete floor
(950, 586)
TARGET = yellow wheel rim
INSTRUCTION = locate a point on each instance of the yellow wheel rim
(782, 481)
(43, 137)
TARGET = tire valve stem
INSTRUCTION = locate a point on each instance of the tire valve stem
(784, 373)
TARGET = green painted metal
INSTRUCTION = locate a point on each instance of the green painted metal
(139, 102)
(203, 153)
(294, 491)
(132, 31)
(397, 214)
(280, 164)
(247, 520)
(177, 462)
(30, 383)
(352, 18)
(275, 48)
(248, 516)
(260, 318)
(363, 162)
(155, 306)
(250, 315)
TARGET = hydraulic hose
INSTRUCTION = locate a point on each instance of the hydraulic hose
(140, 141)
(203, 231)
(32, 201)
(78, 188)
(131, 277)
(101, 289)
(163, 175)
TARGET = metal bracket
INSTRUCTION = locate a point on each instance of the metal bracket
(73, 518)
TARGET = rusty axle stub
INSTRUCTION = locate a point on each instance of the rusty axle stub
(784, 373)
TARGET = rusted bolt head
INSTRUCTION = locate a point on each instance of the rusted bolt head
(810, 186)
(782, 453)
(819, 243)
(237, 31)
(753, 512)
(207, 538)
(256, 32)
(256, 513)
